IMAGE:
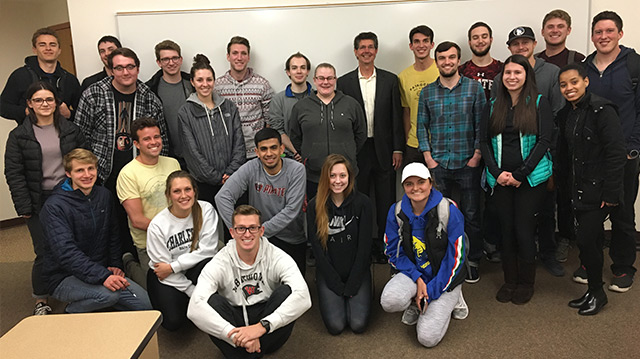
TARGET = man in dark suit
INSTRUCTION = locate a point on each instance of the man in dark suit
(377, 92)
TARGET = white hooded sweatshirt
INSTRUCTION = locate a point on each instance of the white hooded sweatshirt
(244, 285)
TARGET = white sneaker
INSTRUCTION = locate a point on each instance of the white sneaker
(461, 310)
(411, 314)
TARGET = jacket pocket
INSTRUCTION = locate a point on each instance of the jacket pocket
(591, 192)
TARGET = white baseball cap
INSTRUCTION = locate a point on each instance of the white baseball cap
(415, 169)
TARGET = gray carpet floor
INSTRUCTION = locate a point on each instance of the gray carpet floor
(544, 328)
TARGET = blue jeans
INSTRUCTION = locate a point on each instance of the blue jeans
(468, 181)
(84, 297)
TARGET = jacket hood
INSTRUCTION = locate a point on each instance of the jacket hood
(65, 189)
(339, 96)
(624, 51)
(434, 198)
(217, 100)
(32, 62)
(232, 253)
(289, 93)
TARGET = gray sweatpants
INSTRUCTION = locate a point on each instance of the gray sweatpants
(398, 294)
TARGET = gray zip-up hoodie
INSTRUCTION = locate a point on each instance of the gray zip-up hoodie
(212, 139)
(318, 130)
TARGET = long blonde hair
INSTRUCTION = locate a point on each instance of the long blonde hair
(322, 197)
(196, 210)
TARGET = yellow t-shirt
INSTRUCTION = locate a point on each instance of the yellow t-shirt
(411, 83)
(137, 180)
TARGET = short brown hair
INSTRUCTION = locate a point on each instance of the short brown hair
(123, 51)
(167, 45)
(246, 210)
(557, 14)
(325, 65)
(44, 31)
(238, 40)
(81, 155)
(140, 123)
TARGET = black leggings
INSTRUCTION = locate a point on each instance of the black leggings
(171, 302)
(269, 342)
(517, 209)
(338, 311)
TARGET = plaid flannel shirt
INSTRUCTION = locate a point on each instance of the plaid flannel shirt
(449, 121)
(96, 117)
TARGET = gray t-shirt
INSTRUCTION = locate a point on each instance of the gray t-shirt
(52, 170)
(173, 96)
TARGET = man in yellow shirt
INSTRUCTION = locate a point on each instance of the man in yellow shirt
(412, 79)
(141, 186)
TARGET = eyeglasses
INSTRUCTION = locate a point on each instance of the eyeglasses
(243, 230)
(39, 101)
(323, 79)
(165, 60)
(121, 68)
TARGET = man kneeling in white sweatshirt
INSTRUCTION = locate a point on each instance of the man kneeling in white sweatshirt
(249, 295)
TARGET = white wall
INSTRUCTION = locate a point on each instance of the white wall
(90, 20)
(18, 21)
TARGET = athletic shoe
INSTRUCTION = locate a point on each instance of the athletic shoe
(492, 253)
(473, 275)
(621, 283)
(411, 314)
(580, 275)
(552, 265)
(562, 250)
(42, 309)
(461, 310)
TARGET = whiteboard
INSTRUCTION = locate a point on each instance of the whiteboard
(324, 33)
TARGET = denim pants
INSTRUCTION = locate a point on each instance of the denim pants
(468, 181)
(84, 297)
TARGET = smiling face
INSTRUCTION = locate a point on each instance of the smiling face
(421, 46)
(170, 62)
(105, 49)
(366, 52)
(417, 189)
(149, 142)
(238, 57)
(298, 70)
(325, 81)
(448, 62)
(203, 82)
(555, 31)
(181, 196)
(522, 46)
(338, 178)
(606, 36)
(513, 77)
(47, 48)
(480, 42)
(46, 106)
(83, 176)
(573, 86)
(247, 242)
(269, 152)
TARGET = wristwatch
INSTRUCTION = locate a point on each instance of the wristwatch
(265, 324)
(633, 154)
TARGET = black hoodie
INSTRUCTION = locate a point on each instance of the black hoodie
(13, 101)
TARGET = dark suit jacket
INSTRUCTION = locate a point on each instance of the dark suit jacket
(388, 132)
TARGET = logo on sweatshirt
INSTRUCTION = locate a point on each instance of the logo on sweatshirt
(250, 289)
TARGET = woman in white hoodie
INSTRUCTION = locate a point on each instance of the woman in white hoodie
(180, 241)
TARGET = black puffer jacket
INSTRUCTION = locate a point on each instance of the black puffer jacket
(81, 235)
(591, 163)
(23, 163)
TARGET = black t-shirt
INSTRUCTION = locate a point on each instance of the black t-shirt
(123, 152)
(511, 151)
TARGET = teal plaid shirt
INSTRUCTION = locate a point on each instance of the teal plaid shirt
(449, 121)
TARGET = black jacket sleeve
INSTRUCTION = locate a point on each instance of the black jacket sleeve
(362, 263)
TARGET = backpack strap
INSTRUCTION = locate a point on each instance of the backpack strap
(572, 57)
(633, 66)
